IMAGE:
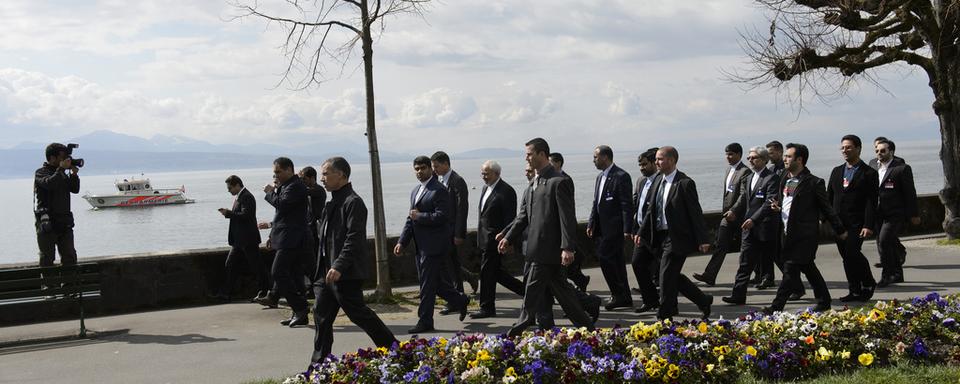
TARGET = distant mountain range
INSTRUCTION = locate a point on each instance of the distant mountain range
(108, 152)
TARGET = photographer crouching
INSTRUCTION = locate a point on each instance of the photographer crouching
(52, 185)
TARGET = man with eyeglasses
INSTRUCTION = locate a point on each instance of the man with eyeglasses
(897, 202)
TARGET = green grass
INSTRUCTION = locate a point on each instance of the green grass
(948, 242)
(909, 374)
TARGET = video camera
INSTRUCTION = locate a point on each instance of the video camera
(76, 162)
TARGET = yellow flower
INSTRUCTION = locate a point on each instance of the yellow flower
(877, 315)
(751, 351)
(845, 355)
(442, 341)
(673, 371)
(652, 372)
(702, 327)
(483, 355)
(510, 372)
(382, 350)
(865, 359)
(473, 363)
(709, 368)
(721, 350)
(823, 354)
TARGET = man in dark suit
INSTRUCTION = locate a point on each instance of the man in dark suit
(645, 262)
(674, 228)
(549, 212)
(611, 215)
(459, 209)
(897, 203)
(764, 275)
(801, 201)
(316, 198)
(853, 190)
(290, 236)
(428, 226)
(728, 234)
(498, 208)
(575, 269)
(342, 263)
(874, 162)
(244, 239)
(775, 148)
(759, 222)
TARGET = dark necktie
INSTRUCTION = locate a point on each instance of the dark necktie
(658, 203)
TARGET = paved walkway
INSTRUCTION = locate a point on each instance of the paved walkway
(239, 342)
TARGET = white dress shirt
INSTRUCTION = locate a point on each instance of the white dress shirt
(603, 181)
(667, 183)
(423, 189)
(487, 193)
(445, 178)
(643, 197)
(883, 168)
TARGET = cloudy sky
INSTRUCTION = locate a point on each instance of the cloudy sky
(470, 74)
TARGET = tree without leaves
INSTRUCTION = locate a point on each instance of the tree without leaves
(308, 45)
(816, 48)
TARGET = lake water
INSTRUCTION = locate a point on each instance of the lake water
(121, 231)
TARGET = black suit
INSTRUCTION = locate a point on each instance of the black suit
(316, 198)
(897, 203)
(244, 239)
(575, 269)
(496, 212)
(431, 232)
(798, 238)
(343, 247)
(855, 201)
(685, 231)
(290, 236)
(549, 212)
(611, 216)
(728, 234)
(459, 209)
(754, 205)
(645, 262)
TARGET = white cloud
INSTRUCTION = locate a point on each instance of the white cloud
(527, 106)
(625, 102)
(437, 107)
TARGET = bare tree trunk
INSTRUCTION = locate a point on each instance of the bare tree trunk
(384, 288)
(949, 114)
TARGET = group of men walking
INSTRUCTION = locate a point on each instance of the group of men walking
(772, 207)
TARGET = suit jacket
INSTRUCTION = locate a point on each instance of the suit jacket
(776, 167)
(496, 214)
(290, 224)
(316, 198)
(243, 221)
(857, 203)
(549, 211)
(637, 202)
(684, 216)
(810, 203)
(754, 204)
(431, 229)
(732, 192)
(343, 243)
(611, 214)
(897, 195)
(459, 205)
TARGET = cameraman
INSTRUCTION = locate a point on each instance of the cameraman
(52, 184)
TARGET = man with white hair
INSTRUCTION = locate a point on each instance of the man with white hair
(498, 207)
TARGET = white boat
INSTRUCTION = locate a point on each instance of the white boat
(138, 193)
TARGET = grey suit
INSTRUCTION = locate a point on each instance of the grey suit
(549, 212)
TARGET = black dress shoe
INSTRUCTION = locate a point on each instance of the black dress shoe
(733, 300)
(446, 311)
(219, 296)
(704, 279)
(796, 296)
(768, 311)
(705, 309)
(646, 308)
(463, 310)
(867, 292)
(268, 301)
(582, 284)
(299, 319)
(756, 279)
(287, 321)
(884, 282)
(260, 295)
(483, 314)
(878, 265)
(821, 307)
(766, 284)
(618, 304)
(636, 290)
(594, 311)
(420, 328)
(850, 297)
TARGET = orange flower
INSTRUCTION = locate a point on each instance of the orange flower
(808, 340)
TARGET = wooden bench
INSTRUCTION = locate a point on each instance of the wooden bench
(61, 283)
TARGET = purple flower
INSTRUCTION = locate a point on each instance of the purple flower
(581, 349)
(949, 322)
(919, 348)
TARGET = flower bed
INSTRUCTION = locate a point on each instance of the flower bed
(785, 346)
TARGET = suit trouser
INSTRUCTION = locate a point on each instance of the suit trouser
(346, 294)
(57, 240)
(550, 278)
(454, 267)
(544, 315)
(728, 238)
(491, 273)
(248, 255)
(791, 277)
(855, 264)
(764, 267)
(645, 264)
(613, 266)
(288, 278)
(575, 269)
(892, 252)
(751, 251)
(672, 281)
(435, 281)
